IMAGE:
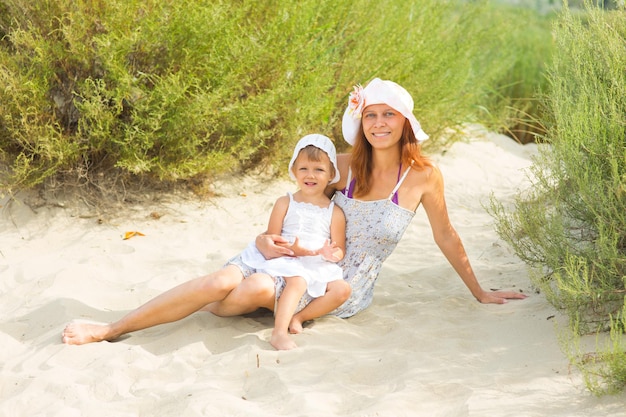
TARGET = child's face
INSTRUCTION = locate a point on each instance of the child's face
(311, 175)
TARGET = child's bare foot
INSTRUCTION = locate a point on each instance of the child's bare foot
(79, 333)
(282, 341)
(295, 326)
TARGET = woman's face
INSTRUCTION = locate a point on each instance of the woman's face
(382, 125)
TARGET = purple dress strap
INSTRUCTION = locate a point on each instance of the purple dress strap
(394, 199)
(350, 191)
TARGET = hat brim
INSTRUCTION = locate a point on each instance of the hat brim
(350, 127)
(379, 92)
(319, 141)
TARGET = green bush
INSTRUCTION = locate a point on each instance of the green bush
(175, 91)
(513, 105)
(571, 226)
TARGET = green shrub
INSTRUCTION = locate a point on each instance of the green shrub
(514, 106)
(571, 226)
(173, 91)
(605, 370)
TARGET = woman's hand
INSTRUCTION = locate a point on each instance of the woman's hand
(275, 246)
(499, 297)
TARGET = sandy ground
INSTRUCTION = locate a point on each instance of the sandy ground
(424, 348)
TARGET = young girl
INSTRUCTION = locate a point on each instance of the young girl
(312, 218)
(308, 218)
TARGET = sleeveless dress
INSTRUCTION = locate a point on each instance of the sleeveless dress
(311, 224)
(373, 230)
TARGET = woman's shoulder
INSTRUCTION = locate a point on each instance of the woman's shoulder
(343, 161)
(424, 176)
(423, 184)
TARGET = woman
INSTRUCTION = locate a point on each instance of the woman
(391, 180)
(382, 183)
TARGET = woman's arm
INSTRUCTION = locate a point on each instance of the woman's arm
(450, 243)
(270, 246)
(343, 162)
(274, 246)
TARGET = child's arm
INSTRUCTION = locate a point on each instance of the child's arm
(275, 227)
(277, 217)
(334, 250)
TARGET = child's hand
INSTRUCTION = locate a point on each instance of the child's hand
(330, 252)
(298, 250)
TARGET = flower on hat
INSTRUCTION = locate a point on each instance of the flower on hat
(356, 101)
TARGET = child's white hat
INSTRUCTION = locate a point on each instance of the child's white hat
(378, 92)
(319, 141)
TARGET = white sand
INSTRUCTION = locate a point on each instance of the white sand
(424, 348)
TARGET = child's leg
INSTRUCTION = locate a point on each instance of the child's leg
(337, 292)
(287, 303)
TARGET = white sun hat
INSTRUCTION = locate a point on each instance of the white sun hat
(378, 92)
(319, 141)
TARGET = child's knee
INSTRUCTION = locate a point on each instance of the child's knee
(298, 283)
(341, 290)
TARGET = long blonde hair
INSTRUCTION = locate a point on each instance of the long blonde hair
(361, 160)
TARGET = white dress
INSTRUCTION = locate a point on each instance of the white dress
(311, 225)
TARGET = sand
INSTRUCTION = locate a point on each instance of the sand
(424, 348)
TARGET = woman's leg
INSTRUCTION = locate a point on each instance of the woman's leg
(172, 305)
(295, 287)
(337, 292)
(256, 291)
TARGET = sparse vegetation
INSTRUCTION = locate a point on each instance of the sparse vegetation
(571, 226)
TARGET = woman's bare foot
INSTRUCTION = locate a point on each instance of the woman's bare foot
(79, 333)
(295, 326)
(282, 341)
